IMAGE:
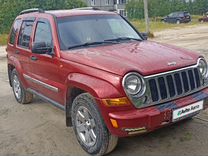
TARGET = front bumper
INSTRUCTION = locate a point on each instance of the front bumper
(138, 121)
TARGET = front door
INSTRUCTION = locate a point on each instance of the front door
(45, 67)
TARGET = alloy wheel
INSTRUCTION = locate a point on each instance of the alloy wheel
(17, 87)
(86, 126)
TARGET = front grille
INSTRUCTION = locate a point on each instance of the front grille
(176, 84)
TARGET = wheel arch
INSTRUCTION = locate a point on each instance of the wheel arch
(80, 83)
(13, 63)
(10, 68)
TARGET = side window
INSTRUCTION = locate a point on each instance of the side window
(174, 14)
(181, 15)
(43, 33)
(25, 34)
(15, 29)
(177, 15)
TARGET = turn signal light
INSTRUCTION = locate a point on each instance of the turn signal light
(116, 102)
(114, 123)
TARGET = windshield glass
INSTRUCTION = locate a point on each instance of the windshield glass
(79, 30)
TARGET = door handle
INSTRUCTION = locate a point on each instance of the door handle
(17, 52)
(34, 58)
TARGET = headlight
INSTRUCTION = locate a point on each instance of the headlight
(202, 66)
(133, 84)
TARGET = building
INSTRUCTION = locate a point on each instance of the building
(109, 5)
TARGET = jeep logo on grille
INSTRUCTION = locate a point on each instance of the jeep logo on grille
(172, 63)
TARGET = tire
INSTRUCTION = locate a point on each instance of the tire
(178, 22)
(89, 127)
(22, 96)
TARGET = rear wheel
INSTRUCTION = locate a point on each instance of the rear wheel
(90, 130)
(21, 95)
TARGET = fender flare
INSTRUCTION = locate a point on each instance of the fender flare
(98, 88)
(13, 61)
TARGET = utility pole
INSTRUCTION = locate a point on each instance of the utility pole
(146, 15)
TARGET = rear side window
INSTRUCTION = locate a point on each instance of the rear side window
(43, 33)
(25, 34)
(15, 29)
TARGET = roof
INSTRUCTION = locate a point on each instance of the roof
(74, 12)
(181, 12)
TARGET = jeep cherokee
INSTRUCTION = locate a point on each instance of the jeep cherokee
(100, 70)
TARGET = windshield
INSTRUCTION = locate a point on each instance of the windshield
(82, 30)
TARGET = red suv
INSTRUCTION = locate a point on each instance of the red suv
(98, 68)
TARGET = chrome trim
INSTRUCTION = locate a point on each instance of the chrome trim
(52, 88)
(137, 99)
(160, 101)
(172, 63)
(54, 103)
(143, 88)
(206, 74)
(177, 70)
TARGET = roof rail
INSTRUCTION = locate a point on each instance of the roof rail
(31, 10)
(86, 8)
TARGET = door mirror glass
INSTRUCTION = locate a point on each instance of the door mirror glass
(41, 48)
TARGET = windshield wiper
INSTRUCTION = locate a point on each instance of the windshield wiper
(91, 44)
(124, 39)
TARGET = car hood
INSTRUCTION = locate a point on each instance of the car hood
(144, 57)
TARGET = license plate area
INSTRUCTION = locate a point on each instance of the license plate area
(187, 111)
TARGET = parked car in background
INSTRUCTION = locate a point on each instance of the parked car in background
(204, 18)
(178, 17)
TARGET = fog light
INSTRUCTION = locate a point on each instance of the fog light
(114, 123)
(135, 130)
(116, 102)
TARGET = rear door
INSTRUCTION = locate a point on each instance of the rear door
(175, 17)
(170, 18)
(23, 48)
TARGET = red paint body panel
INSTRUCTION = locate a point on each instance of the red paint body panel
(153, 117)
(144, 57)
(99, 71)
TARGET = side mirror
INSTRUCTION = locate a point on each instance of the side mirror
(41, 48)
(145, 36)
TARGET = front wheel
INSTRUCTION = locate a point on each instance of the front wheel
(178, 22)
(89, 127)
